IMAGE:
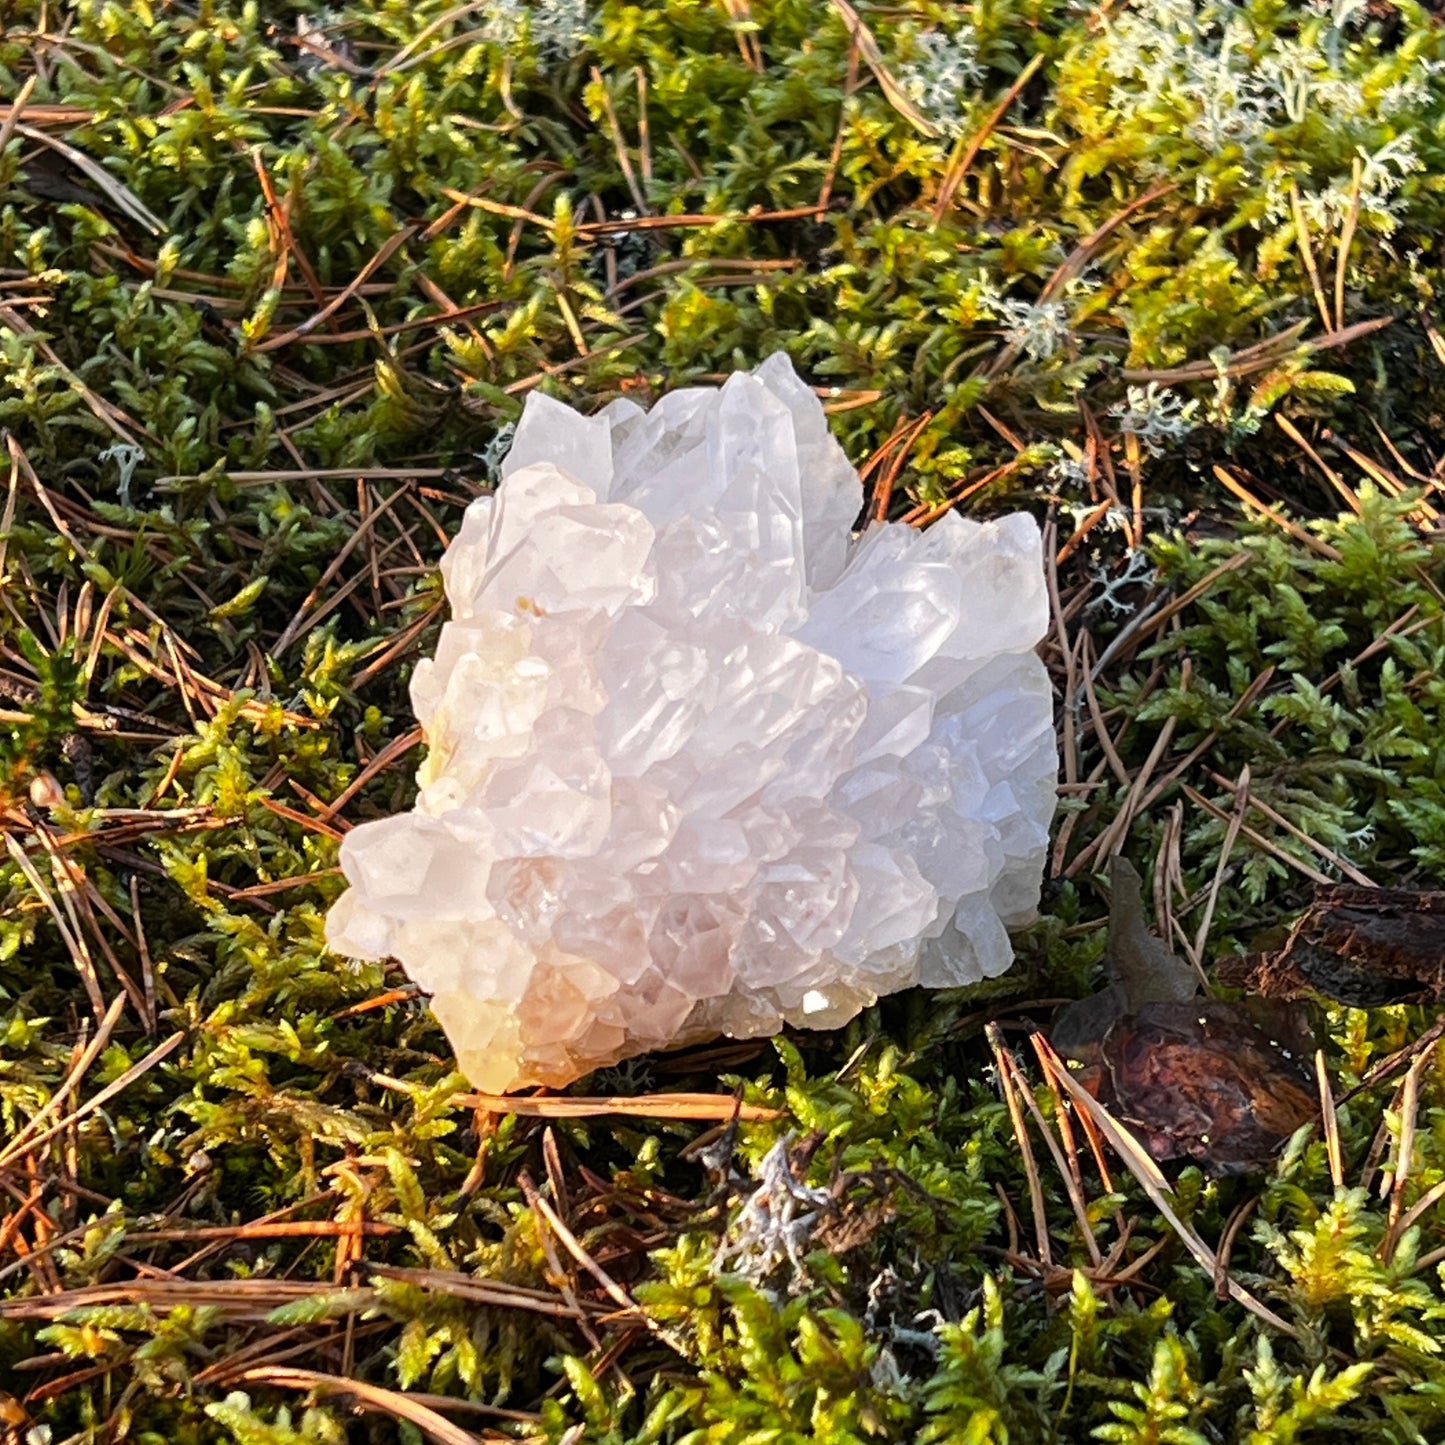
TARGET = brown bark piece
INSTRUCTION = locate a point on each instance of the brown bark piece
(1222, 1083)
(1364, 947)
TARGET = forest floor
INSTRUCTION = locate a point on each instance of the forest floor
(275, 278)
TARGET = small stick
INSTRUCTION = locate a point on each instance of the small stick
(1231, 836)
(862, 38)
(745, 33)
(1072, 1184)
(297, 624)
(1387, 1066)
(1258, 839)
(274, 476)
(319, 318)
(648, 1106)
(850, 84)
(414, 45)
(553, 1160)
(281, 1229)
(644, 134)
(74, 945)
(1069, 746)
(278, 219)
(1351, 500)
(381, 1000)
(16, 110)
(1347, 239)
(1344, 865)
(1423, 514)
(398, 645)
(1113, 838)
(71, 1084)
(1302, 235)
(1378, 1143)
(1010, 1216)
(923, 516)
(398, 1404)
(1133, 463)
(1051, 1064)
(1101, 731)
(953, 177)
(97, 1101)
(614, 1290)
(1426, 1201)
(1087, 525)
(293, 815)
(281, 885)
(560, 1278)
(881, 454)
(883, 492)
(1315, 544)
(1139, 1265)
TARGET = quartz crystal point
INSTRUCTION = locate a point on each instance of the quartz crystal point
(700, 761)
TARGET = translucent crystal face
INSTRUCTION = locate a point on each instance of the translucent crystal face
(699, 762)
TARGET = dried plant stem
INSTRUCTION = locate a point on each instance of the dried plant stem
(1015, 1113)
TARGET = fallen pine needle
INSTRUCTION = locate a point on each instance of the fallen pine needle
(366, 1397)
(652, 1106)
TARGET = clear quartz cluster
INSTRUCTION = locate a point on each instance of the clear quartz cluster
(700, 761)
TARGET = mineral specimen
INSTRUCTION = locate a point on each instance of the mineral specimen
(700, 761)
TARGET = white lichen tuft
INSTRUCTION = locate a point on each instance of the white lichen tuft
(774, 1223)
(1037, 328)
(1156, 417)
(1211, 73)
(937, 78)
(557, 29)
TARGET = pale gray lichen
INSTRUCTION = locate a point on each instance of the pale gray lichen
(553, 28)
(495, 452)
(1156, 417)
(1230, 85)
(1380, 177)
(942, 69)
(1071, 472)
(1038, 328)
(1139, 570)
(775, 1221)
(127, 457)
